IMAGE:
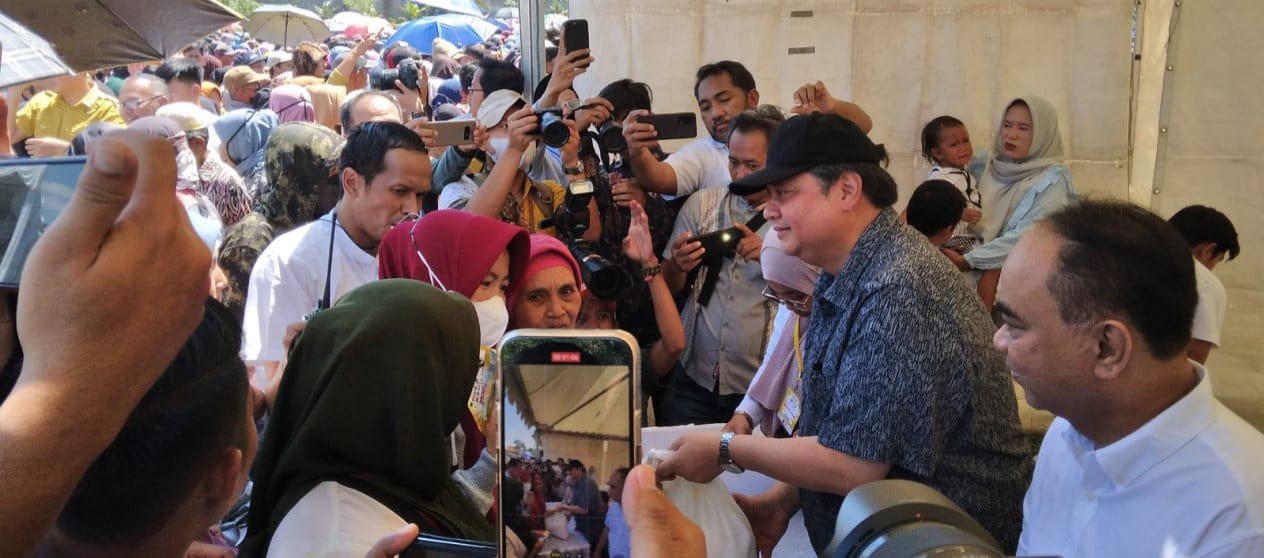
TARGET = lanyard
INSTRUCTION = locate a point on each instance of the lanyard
(798, 351)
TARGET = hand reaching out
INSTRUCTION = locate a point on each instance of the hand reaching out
(639, 245)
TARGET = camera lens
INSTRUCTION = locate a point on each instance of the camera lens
(610, 135)
(555, 132)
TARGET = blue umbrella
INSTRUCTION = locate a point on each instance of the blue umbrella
(458, 29)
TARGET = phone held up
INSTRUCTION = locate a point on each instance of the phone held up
(569, 416)
(575, 34)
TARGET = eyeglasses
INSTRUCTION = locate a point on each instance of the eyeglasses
(798, 303)
(133, 104)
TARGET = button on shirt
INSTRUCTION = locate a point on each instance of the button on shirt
(900, 369)
(702, 163)
(1188, 483)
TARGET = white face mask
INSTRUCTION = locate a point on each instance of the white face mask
(501, 145)
(493, 319)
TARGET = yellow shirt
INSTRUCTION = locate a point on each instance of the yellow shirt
(47, 115)
(542, 200)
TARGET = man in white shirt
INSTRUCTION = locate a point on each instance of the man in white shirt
(384, 171)
(1211, 237)
(1096, 303)
(616, 535)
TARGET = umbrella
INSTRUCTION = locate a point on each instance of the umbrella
(285, 25)
(26, 56)
(459, 29)
(341, 20)
(366, 27)
(468, 7)
(93, 34)
(507, 13)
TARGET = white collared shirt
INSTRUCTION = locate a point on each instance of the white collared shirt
(1188, 483)
(701, 163)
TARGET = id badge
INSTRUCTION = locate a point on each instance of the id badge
(480, 403)
(788, 414)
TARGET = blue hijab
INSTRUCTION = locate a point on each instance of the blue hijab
(245, 134)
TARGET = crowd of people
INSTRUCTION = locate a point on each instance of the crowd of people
(324, 399)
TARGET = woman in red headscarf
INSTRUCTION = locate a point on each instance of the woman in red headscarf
(550, 293)
(485, 260)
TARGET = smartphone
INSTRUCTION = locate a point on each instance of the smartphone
(33, 192)
(676, 125)
(434, 546)
(575, 34)
(569, 409)
(721, 243)
(452, 132)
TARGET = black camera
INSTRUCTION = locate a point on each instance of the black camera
(604, 279)
(555, 132)
(407, 71)
(610, 136)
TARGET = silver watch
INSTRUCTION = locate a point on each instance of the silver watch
(726, 460)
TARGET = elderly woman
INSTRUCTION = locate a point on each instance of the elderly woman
(244, 134)
(354, 447)
(550, 294)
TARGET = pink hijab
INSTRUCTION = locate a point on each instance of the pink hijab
(292, 103)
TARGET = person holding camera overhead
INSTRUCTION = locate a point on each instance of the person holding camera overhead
(714, 256)
(514, 135)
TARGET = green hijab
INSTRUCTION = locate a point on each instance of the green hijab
(372, 387)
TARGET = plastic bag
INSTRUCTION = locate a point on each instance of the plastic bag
(555, 523)
(712, 507)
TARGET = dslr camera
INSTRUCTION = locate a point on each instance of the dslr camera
(407, 71)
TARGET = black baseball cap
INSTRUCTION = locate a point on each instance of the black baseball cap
(807, 141)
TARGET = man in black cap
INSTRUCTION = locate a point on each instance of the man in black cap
(899, 380)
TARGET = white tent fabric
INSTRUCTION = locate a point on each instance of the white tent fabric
(1195, 130)
(1201, 117)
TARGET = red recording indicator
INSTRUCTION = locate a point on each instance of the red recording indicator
(560, 357)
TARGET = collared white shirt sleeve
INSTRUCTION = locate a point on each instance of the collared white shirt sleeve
(1188, 483)
(335, 521)
(1210, 314)
(702, 163)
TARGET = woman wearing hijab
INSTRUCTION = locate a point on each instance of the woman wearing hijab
(1024, 180)
(354, 447)
(790, 282)
(481, 258)
(302, 168)
(292, 103)
(245, 135)
(550, 294)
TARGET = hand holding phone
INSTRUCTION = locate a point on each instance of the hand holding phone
(675, 125)
(450, 132)
(575, 36)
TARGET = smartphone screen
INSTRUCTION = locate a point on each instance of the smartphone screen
(569, 416)
(33, 192)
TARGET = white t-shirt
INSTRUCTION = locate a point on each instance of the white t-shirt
(289, 279)
(332, 520)
(1210, 313)
(702, 163)
(618, 538)
(1187, 483)
(457, 194)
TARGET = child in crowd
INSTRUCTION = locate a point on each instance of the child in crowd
(935, 209)
(946, 145)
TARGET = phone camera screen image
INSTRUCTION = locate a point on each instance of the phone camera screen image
(568, 423)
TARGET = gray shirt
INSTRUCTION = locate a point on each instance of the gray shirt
(727, 337)
(901, 370)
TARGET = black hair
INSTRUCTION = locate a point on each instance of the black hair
(195, 411)
(626, 96)
(344, 111)
(308, 59)
(466, 76)
(179, 69)
(367, 145)
(931, 131)
(876, 183)
(218, 75)
(444, 67)
(1199, 224)
(741, 77)
(477, 51)
(497, 75)
(550, 52)
(935, 204)
(766, 118)
(1117, 261)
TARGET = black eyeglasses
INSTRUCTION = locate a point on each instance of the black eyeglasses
(798, 303)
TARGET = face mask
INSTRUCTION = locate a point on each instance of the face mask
(493, 319)
(501, 145)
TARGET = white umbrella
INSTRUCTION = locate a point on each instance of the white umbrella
(26, 56)
(459, 6)
(285, 25)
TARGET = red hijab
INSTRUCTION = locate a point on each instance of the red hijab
(460, 248)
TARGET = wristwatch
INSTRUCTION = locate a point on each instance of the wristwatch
(726, 460)
(577, 169)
